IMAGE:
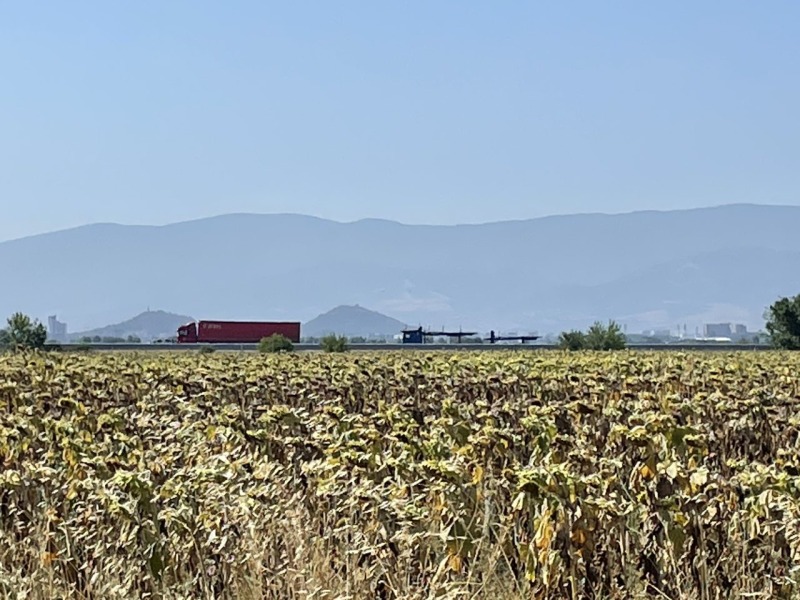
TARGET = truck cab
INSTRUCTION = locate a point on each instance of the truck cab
(187, 334)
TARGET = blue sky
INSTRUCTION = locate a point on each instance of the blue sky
(423, 112)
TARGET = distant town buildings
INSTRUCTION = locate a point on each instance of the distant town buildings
(56, 330)
(657, 333)
(717, 330)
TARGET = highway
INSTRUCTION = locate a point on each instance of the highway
(398, 347)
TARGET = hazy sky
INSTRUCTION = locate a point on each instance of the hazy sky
(437, 112)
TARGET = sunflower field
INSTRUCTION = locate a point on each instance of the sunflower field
(502, 475)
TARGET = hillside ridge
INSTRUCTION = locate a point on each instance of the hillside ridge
(543, 274)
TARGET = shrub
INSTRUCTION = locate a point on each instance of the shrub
(275, 343)
(572, 340)
(334, 343)
(605, 337)
(598, 337)
(207, 350)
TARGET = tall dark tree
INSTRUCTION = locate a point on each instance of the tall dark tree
(783, 323)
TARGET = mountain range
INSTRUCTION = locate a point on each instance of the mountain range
(644, 269)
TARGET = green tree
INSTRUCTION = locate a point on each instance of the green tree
(598, 337)
(572, 340)
(605, 337)
(5, 339)
(24, 333)
(275, 343)
(783, 323)
(334, 343)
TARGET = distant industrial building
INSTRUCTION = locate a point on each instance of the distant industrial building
(56, 330)
(657, 333)
(720, 330)
(713, 330)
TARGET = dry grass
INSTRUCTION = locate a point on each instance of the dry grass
(400, 476)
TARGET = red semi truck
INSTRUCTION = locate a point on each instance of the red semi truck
(235, 332)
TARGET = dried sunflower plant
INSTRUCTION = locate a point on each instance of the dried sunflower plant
(400, 475)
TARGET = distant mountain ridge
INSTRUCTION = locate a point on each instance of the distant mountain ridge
(147, 326)
(646, 269)
(352, 321)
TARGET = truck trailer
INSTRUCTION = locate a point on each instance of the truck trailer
(236, 332)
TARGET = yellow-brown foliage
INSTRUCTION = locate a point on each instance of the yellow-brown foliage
(407, 475)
